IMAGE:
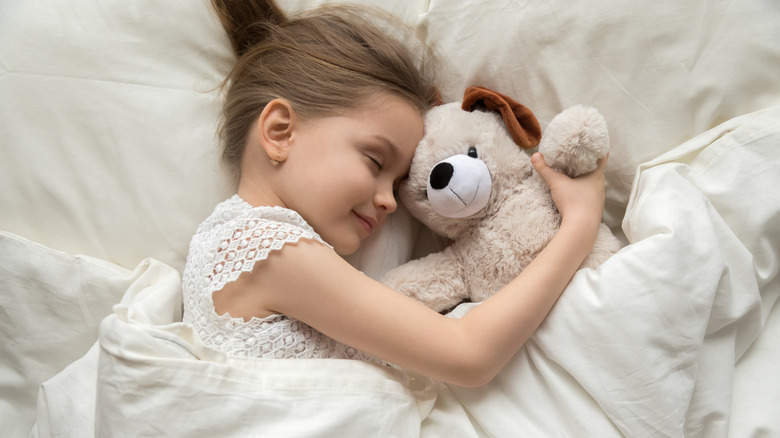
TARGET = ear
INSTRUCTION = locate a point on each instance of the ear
(275, 128)
(519, 120)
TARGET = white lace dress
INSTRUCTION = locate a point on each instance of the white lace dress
(230, 241)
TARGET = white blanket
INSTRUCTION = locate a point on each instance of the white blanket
(651, 343)
(146, 368)
(659, 341)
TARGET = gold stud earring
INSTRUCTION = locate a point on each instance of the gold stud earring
(275, 162)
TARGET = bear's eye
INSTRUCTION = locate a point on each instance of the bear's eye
(472, 152)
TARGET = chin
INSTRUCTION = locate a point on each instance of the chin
(345, 248)
(345, 251)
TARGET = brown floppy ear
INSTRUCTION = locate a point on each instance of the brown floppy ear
(519, 120)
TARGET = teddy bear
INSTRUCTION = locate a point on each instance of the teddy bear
(472, 182)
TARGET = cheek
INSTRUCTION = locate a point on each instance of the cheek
(347, 185)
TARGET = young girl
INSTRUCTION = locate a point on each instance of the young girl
(322, 116)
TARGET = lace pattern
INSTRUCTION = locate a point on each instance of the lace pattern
(230, 241)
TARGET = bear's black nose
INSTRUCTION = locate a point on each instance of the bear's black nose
(441, 175)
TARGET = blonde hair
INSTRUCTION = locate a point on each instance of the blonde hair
(325, 62)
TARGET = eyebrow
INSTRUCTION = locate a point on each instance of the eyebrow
(394, 149)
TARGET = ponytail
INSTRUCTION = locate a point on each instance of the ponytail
(245, 20)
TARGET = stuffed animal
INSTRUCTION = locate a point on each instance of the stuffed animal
(472, 182)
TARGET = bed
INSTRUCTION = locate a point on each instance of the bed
(109, 162)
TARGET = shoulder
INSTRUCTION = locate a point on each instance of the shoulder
(236, 221)
(237, 235)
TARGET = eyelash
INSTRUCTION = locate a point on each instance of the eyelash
(375, 161)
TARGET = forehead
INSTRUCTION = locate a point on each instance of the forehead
(392, 120)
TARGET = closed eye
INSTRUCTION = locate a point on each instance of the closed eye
(375, 161)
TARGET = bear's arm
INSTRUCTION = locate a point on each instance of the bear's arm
(436, 280)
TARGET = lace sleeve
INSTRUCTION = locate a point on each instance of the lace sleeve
(230, 242)
(244, 241)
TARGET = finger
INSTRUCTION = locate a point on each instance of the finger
(547, 172)
(537, 160)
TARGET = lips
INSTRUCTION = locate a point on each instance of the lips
(367, 222)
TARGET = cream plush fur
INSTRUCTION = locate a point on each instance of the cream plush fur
(510, 225)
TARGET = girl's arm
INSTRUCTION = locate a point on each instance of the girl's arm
(309, 282)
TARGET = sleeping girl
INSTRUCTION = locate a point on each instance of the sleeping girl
(322, 114)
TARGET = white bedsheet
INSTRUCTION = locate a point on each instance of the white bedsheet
(664, 339)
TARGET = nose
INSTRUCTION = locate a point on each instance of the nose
(385, 199)
(441, 174)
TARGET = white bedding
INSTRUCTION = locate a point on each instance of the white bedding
(653, 343)
(108, 162)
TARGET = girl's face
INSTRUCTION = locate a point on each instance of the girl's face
(342, 171)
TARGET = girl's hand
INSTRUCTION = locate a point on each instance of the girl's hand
(579, 199)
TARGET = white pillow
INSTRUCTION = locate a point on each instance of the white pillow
(660, 73)
(109, 109)
(108, 120)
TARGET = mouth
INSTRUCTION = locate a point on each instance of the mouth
(367, 222)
